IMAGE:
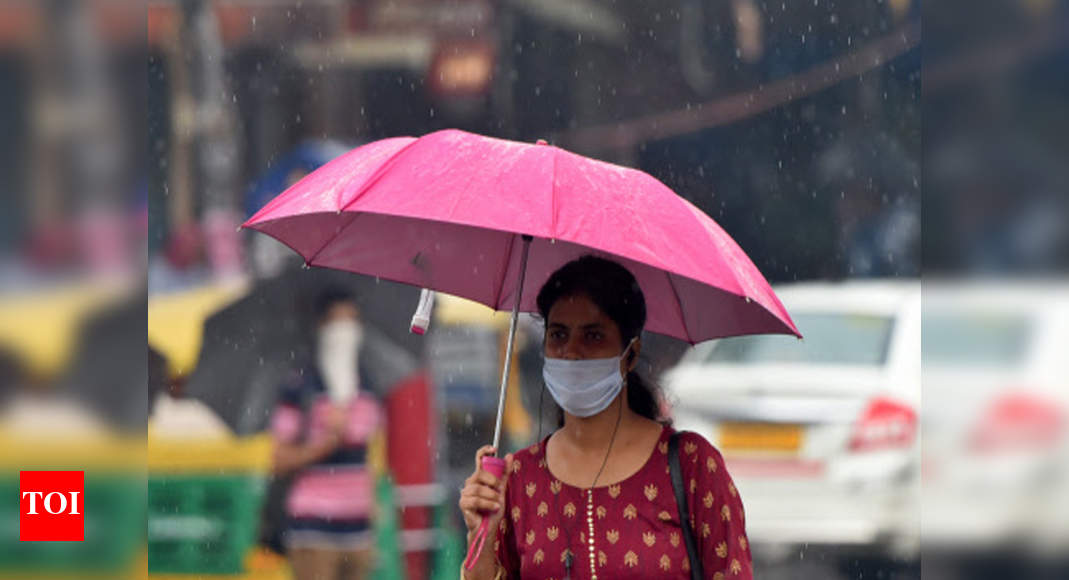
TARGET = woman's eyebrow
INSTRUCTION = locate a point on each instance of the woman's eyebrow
(589, 326)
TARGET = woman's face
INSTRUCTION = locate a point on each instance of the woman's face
(577, 329)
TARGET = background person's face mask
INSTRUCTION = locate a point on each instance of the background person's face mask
(338, 348)
(584, 388)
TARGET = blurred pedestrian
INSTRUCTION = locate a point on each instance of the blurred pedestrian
(597, 497)
(322, 427)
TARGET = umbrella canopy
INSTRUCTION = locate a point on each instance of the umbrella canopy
(447, 211)
(306, 157)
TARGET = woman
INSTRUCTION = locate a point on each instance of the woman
(595, 498)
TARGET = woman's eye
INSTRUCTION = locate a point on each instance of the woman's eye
(593, 336)
(556, 335)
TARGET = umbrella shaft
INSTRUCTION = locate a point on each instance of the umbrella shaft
(508, 347)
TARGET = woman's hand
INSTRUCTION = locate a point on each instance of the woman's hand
(483, 494)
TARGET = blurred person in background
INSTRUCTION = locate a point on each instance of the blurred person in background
(322, 427)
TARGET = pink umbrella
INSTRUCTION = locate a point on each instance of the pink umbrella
(490, 220)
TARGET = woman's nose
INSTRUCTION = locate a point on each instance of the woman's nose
(571, 350)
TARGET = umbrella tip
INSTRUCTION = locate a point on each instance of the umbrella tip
(541, 142)
(239, 229)
(306, 266)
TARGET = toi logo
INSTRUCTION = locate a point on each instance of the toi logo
(51, 505)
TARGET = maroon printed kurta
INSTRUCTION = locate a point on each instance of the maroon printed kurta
(634, 524)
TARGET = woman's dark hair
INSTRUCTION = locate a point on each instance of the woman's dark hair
(616, 292)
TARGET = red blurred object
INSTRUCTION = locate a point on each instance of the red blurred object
(410, 440)
(885, 424)
(1016, 422)
(52, 244)
(184, 246)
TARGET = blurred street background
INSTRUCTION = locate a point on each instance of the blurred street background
(138, 136)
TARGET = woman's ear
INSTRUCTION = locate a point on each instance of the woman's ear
(632, 357)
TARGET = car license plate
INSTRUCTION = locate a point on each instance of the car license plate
(760, 437)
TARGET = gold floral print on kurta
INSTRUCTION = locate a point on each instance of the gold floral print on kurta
(718, 576)
(515, 466)
(736, 566)
(663, 447)
(725, 513)
(531, 489)
(651, 492)
(516, 513)
(613, 546)
(564, 555)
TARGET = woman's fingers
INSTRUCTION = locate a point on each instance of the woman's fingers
(485, 478)
(479, 505)
(483, 452)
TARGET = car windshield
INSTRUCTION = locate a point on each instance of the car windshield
(974, 339)
(830, 338)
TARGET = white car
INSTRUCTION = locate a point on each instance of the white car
(820, 434)
(996, 404)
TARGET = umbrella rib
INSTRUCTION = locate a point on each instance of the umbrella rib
(504, 272)
(379, 173)
(352, 218)
(679, 306)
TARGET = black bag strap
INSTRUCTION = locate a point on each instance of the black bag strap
(696, 571)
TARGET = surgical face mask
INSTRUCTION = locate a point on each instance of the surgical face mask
(337, 351)
(584, 388)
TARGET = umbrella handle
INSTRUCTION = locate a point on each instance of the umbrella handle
(495, 466)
